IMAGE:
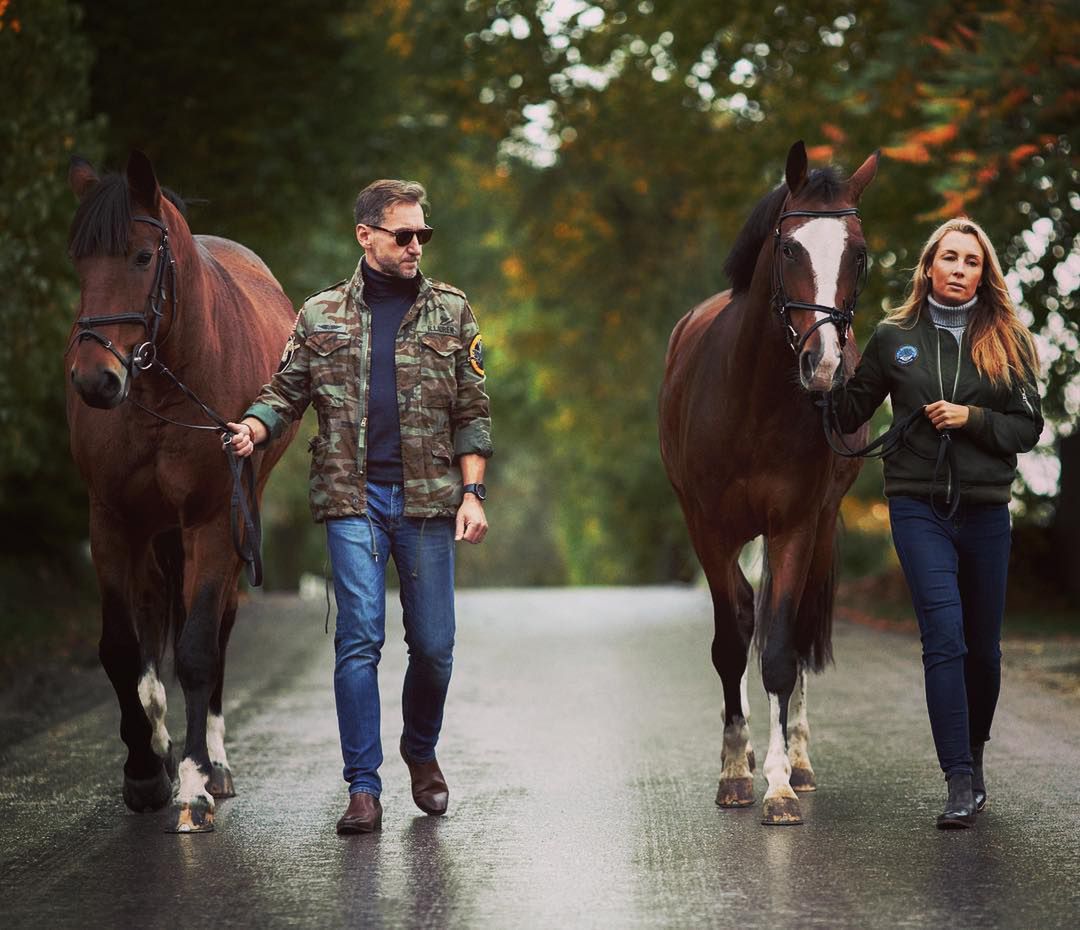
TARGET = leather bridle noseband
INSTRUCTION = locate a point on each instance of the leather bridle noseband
(840, 317)
(143, 355)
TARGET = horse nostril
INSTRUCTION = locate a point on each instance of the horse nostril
(807, 363)
(110, 384)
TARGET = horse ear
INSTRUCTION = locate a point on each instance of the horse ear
(856, 184)
(795, 172)
(81, 176)
(143, 181)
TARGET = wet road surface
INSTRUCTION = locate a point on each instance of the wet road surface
(581, 744)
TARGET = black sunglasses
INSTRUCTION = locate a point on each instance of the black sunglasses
(404, 236)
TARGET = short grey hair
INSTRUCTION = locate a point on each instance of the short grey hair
(372, 201)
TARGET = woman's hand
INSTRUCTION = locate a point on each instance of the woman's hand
(945, 415)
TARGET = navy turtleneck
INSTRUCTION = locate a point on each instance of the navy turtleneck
(389, 298)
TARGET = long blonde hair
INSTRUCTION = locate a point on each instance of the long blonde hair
(1001, 345)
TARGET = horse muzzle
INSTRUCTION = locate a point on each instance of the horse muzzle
(103, 386)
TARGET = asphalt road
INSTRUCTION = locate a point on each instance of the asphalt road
(581, 744)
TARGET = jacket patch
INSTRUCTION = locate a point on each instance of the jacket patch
(476, 355)
(905, 355)
(330, 328)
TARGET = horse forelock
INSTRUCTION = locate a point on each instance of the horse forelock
(102, 221)
(823, 185)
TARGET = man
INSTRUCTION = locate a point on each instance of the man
(393, 363)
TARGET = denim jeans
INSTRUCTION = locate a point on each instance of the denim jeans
(956, 570)
(423, 552)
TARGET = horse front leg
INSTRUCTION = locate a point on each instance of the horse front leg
(208, 559)
(732, 626)
(128, 650)
(220, 784)
(787, 563)
(802, 772)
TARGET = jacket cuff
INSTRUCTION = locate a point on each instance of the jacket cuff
(976, 422)
(474, 439)
(274, 422)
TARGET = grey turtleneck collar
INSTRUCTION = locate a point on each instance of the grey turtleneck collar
(950, 317)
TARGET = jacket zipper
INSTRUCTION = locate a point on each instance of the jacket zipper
(941, 387)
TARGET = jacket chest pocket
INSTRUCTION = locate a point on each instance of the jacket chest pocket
(438, 375)
(330, 368)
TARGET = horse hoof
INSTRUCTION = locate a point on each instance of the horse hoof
(147, 794)
(781, 812)
(192, 817)
(802, 780)
(735, 792)
(220, 782)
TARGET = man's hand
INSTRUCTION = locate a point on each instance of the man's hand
(247, 434)
(945, 415)
(472, 525)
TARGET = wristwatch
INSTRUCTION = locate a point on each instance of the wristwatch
(478, 489)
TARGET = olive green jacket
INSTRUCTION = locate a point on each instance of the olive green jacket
(924, 364)
(442, 407)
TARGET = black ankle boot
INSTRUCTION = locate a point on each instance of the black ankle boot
(978, 785)
(960, 808)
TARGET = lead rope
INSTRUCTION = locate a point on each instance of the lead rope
(889, 442)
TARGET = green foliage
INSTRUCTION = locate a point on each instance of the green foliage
(44, 65)
(587, 177)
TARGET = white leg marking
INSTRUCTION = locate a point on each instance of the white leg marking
(191, 785)
(745, 701)
(799, 731)
(777, 767)
(152, 697)
(736, 743)
(215, 739)
(824, 239)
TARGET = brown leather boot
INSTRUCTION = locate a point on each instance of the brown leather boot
(429, 789)
(363, 815)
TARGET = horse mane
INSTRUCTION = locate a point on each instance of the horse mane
(824, 184)
(102, 222)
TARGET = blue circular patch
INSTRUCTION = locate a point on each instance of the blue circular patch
(905, 355)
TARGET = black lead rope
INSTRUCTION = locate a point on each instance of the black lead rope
(891, 441)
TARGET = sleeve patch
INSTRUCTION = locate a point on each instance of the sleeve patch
(476, 355)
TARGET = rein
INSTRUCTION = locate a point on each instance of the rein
(244, 517)
(891, 441)
(841, 317)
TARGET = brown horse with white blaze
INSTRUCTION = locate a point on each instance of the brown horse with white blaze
(155, 299)
(743, 446)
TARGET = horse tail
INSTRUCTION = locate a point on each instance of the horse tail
(169, 549)
(814, 621)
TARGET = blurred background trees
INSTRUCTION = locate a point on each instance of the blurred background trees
(588, 164)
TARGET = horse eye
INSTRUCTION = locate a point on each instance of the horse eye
(143, 258)
(788, 251)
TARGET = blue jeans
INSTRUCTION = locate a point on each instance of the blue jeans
(423, 551)
(956, 571)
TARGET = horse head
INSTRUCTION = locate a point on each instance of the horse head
(120, 245)
(819, 264)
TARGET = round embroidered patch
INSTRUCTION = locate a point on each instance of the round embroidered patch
(905, 355)
(476, 355)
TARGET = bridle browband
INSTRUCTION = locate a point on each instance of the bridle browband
(143, 355)
(840, 317)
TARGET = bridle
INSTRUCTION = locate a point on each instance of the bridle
(840, 317)
(244, 510)
(143, 355)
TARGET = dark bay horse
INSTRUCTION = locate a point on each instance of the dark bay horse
(743, 445)
(155, 298)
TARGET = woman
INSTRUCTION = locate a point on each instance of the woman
(957, 349)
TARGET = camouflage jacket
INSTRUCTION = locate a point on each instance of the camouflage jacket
(442, 406)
